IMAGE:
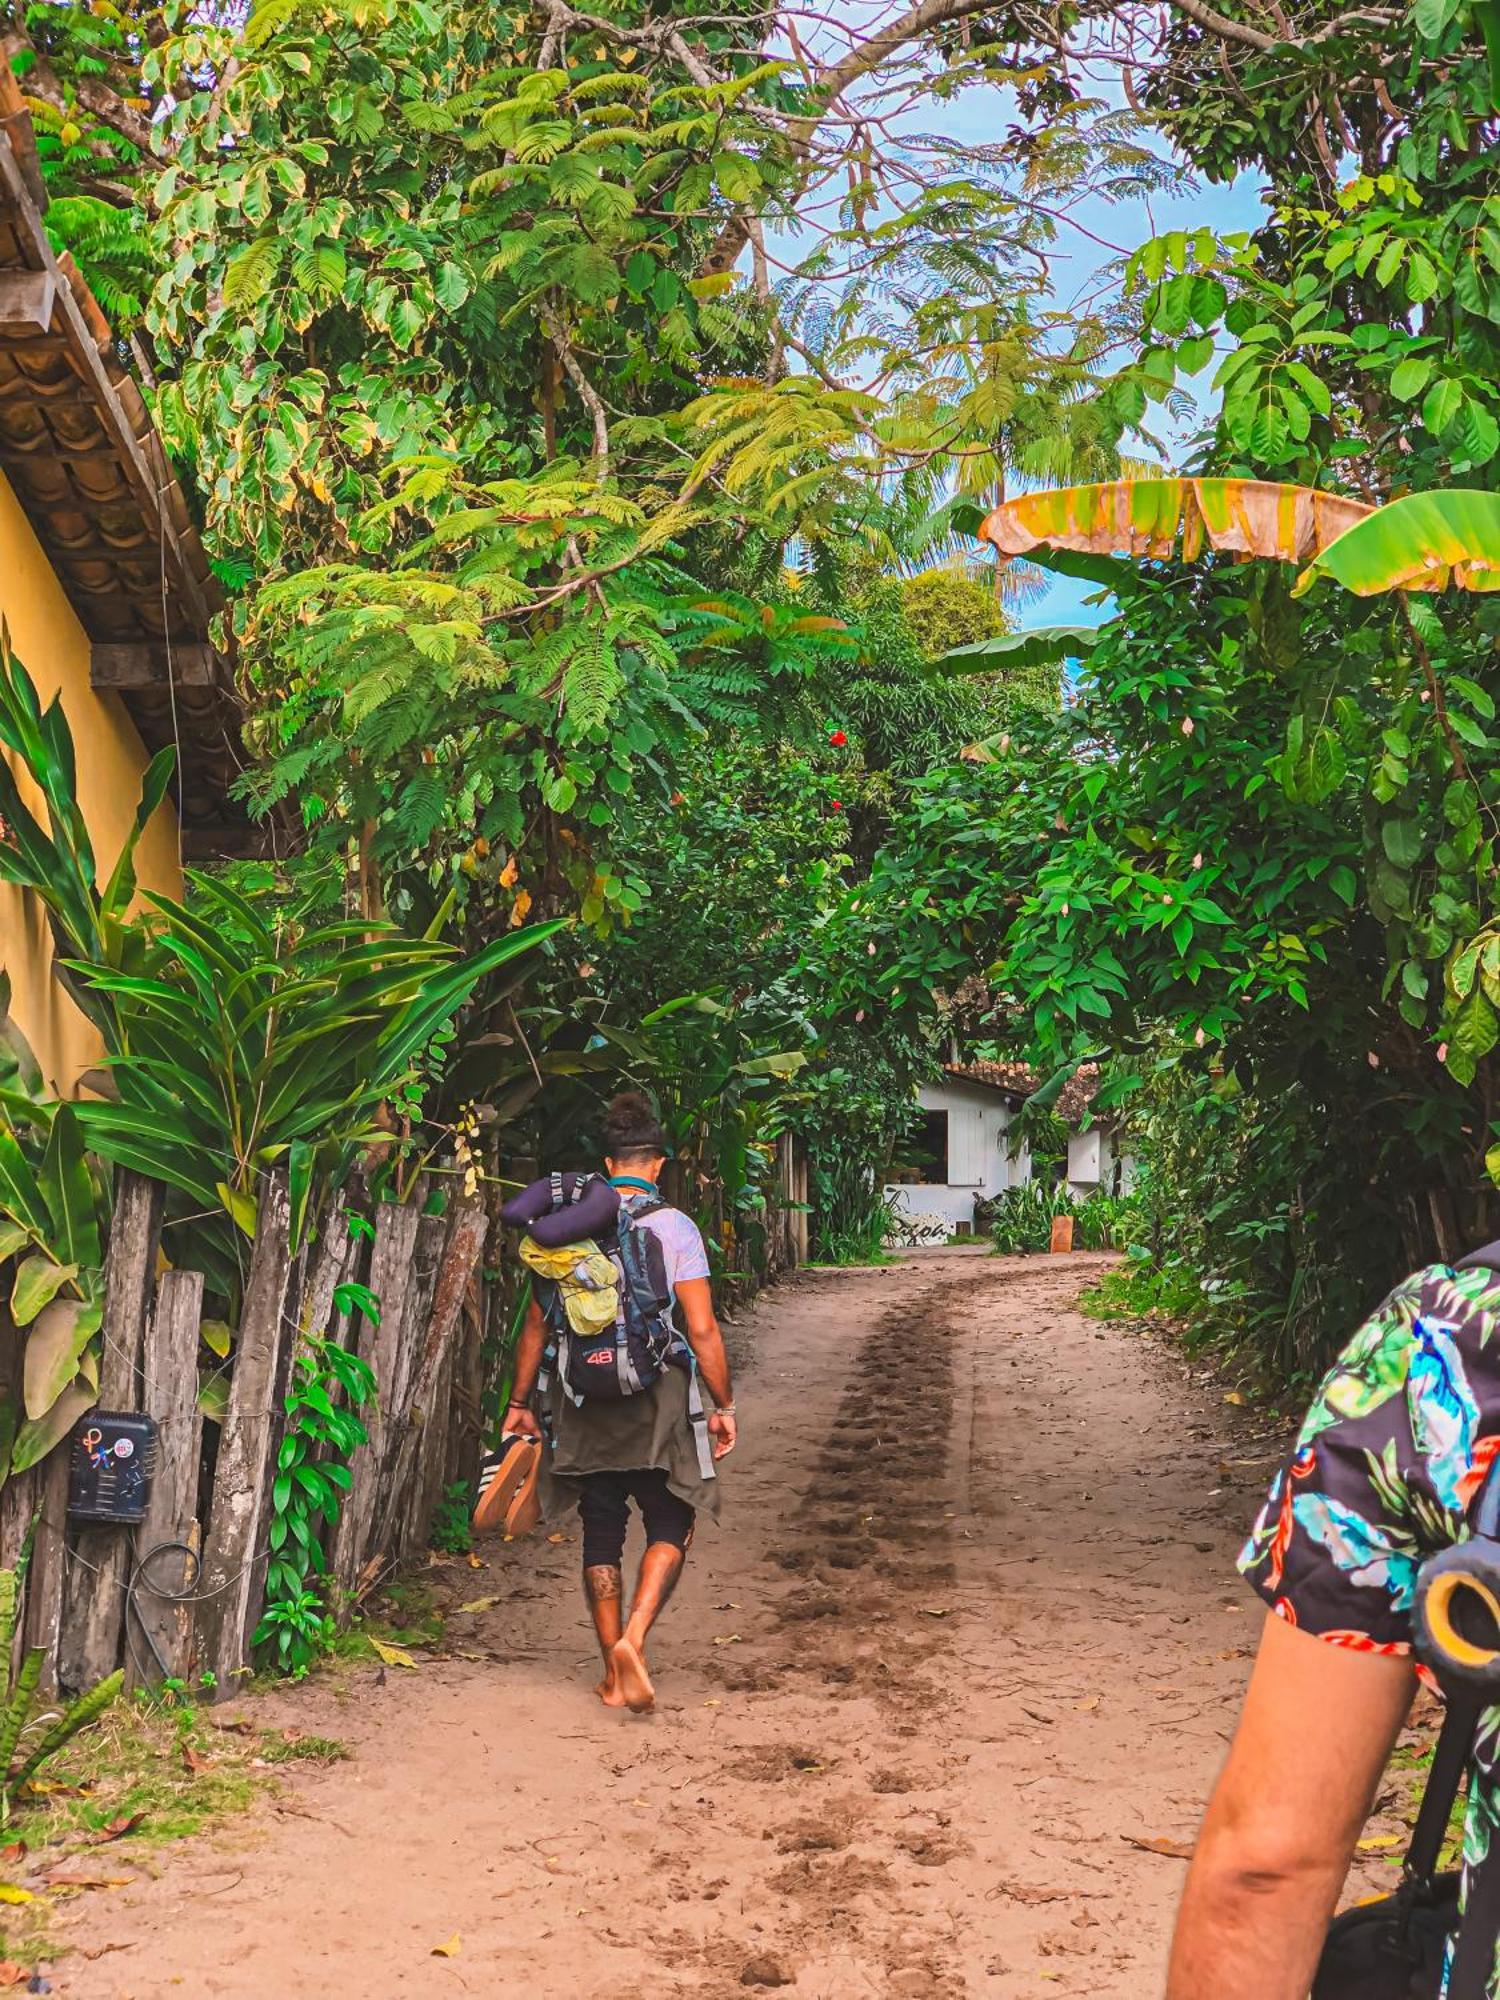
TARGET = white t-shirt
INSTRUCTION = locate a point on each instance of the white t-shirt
(683, 1250)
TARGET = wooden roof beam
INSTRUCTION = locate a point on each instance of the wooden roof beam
(26, 300)
(187, 663)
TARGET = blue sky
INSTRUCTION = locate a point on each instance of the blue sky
(978, 115)
(1079, 261)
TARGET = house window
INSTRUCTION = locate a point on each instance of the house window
(930, 1149)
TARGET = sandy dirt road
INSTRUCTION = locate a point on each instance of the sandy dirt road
(971, 1628)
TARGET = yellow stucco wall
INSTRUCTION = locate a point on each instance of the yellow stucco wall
(54, 649)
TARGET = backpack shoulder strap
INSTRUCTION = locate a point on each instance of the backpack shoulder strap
(1479, 1929)
(1450, 1760)
(559, 1199)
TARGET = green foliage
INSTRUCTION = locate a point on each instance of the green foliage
(246, 1042)
(56, 862)
(1106, 1221)
(855, 1219)
(53, 1218)
(951, 607)
(1020, 1219)
(451, 1532)
(1141, 1289)
(29, 1738)
(330, 1386)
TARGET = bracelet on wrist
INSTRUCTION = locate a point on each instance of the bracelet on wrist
(725, 1410)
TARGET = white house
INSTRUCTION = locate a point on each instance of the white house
(960, 1152)
(1099, 1158)
(960, 1148)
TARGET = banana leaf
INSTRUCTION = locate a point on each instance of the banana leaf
(1426, 541)
(67, 1186)
(1044, 646)
(1162, 518)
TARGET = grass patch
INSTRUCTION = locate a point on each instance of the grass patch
(165, 1766)
(1168, 1295)
(153, 1771)
(404, 1612)
(291, 1748)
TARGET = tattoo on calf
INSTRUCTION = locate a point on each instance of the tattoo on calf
(603, 1582)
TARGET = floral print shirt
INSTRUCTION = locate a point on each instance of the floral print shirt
(1393, 1451)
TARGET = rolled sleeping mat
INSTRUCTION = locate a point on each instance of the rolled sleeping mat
(595, 1213)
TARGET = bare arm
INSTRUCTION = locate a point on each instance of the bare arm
(1318, 1725)
(701, 1326)
(519, 1418)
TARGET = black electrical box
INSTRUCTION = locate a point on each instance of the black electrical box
(114, 1456)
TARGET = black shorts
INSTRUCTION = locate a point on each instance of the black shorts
(604, 1509)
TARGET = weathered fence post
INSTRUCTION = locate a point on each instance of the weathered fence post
(432, 1234)
(42, 1622)
(170, 1394)
(335, 1262)
(392, 1272)
(462, 1250)
(93, 1614)
(237, 1517)
(466, 1405)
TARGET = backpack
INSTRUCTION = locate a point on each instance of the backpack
(1395, 1949)
(629, 1356)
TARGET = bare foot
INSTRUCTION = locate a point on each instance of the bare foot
(609, 1693)
(631, 1678)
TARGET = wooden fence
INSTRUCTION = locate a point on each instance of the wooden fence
(183, 1590)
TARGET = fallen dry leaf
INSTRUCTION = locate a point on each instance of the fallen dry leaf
(729, 1639)
(449, 1948)
(477, 1604)
(1088, 1707)
(940, 1611)
(103, 1950)
(556, 1538)
(14, 1853)
(1175, 1850)
(238, 1727)
(393, 1656)
(1238, 1398)
(12, 1974)
(115, 1830)
(10, 1893)
(1381, 1843)
(475, 1562)
(194, 1760)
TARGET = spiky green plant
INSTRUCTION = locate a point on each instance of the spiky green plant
(22, 1751)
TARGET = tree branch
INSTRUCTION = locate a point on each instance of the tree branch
(1253, 38)
(830, 82)
(557, 333)
(89, 94)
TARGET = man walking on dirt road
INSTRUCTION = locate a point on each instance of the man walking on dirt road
(655, 1447)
